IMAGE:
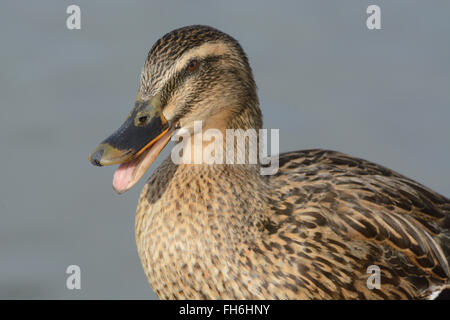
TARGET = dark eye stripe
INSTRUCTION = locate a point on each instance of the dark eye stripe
(180, 77)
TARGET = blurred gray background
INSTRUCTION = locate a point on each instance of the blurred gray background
(324, 79)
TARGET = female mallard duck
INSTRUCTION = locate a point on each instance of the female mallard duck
(311, 231)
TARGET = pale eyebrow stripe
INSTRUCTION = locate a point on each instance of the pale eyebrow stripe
(211, 48)
(207, 49)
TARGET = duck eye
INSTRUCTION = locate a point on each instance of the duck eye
(192, 65)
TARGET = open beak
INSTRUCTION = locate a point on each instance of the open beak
(135, 145)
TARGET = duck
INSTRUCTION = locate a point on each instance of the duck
(324, 225)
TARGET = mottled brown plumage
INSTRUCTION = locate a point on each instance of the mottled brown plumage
(308, 232)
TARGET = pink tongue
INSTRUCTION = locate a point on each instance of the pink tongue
(124, 174)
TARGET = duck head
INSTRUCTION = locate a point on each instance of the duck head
(195, 73)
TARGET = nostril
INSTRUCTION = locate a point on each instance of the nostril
(142, 119)
(96, 157)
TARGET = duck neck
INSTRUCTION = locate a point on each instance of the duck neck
(228, 137)
(233, 198)
(247, 116)
(204, 197)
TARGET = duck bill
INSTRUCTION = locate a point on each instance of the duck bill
(135, 145)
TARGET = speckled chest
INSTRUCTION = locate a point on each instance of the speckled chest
(191, 232)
